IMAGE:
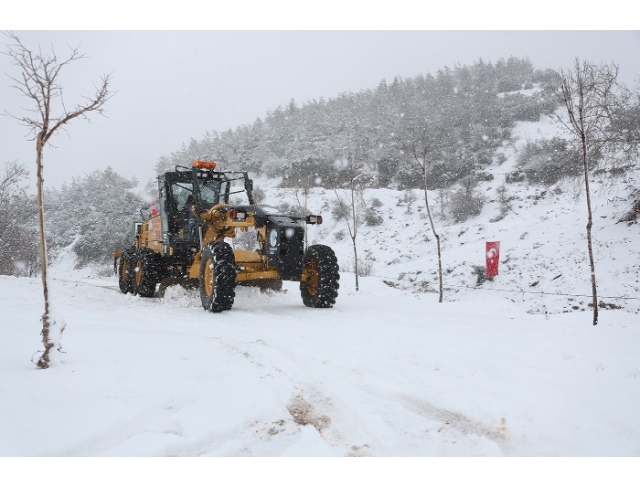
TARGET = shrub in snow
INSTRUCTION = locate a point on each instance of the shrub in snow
(516, 176)
(481, 272)
(484, 176)
(289, 209)
(634, 212)
(372, 218)
(409, 198)
(545, 161)
(466, 201)
(338, 211)
(499, 158)
(365, 267)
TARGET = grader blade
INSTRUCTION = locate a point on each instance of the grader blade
(188, 284)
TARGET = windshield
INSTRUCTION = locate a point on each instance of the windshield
(209, 192)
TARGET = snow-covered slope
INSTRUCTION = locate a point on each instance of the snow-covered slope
(544, 265)
(499, 369)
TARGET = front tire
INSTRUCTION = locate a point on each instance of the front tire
(146, 272)
(319, 282)
(217, 277)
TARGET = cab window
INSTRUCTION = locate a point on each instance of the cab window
(209, 192)
(181, 192)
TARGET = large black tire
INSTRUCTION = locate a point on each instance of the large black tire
(147, 272)
(319, 283)
(125, 272)
(217, 277)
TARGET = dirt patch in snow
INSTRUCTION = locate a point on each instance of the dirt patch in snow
(304, 413)
(359, 451)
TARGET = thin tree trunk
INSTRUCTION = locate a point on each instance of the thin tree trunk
(589, 225)
(433, 229)
(355, 260)
(38, 83)
(43, 362)
(355, 234)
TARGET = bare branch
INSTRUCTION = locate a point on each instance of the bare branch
(95, 104)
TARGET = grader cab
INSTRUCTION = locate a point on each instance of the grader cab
(184, 243)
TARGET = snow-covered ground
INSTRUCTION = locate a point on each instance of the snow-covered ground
(510, 368)
(383, 373)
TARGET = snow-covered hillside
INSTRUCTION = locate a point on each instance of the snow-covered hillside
(544, 265)
(512, 367)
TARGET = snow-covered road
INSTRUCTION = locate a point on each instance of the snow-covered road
(384, 373)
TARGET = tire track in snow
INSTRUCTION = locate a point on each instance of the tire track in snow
(458, 421)
(86, 282)
(309, 405)
(306, 404)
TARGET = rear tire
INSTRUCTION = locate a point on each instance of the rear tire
(319, 282)
(217, 277)
(147, 272)
(125, 277)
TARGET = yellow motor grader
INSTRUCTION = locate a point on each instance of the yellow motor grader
(184, 243)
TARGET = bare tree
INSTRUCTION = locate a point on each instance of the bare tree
(443, 199)
(355, 182)
(422, 147)
(409, 198)
(588, 92)
(38, 82)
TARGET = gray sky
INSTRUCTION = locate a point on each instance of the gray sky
(175, 85)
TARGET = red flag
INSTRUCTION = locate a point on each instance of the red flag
(493, 257)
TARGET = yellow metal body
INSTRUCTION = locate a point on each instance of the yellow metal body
(149, 234)
(250, 264)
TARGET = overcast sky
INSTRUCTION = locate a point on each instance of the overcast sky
(175, 85)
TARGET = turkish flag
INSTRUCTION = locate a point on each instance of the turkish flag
(493, 257)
